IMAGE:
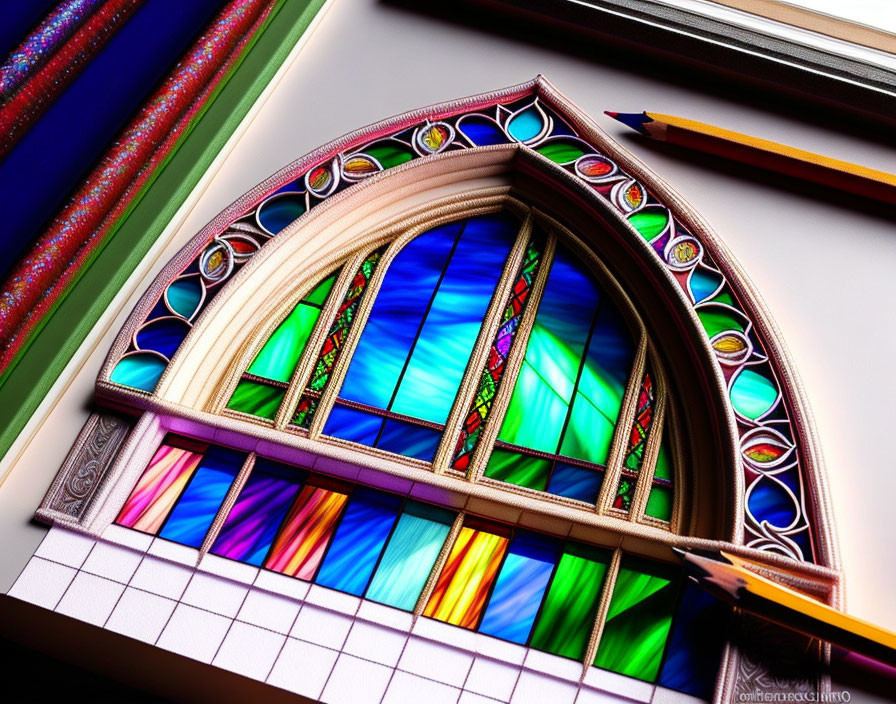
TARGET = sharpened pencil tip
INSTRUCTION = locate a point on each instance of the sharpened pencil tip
(635, 120)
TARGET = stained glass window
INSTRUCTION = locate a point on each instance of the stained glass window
(491, 308)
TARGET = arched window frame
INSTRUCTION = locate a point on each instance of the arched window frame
(175, 393)
(529, 218)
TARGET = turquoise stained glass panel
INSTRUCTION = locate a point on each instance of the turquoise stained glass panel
(410, 555)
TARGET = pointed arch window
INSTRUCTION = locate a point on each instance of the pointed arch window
(485, 347)
(442, 400)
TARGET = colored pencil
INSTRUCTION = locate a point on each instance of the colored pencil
(728, 578)
(763, 153)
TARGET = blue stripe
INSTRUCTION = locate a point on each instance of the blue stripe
(452, 325)
(197, 507)
(358, 541)
(61, 147)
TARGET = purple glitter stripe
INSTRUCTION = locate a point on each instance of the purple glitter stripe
(43, 42)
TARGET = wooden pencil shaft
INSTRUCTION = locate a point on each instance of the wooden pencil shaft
(804, 169)
(814, 627)
(763, 153)
(789, 608)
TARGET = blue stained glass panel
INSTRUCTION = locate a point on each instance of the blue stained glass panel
(184, 295)
(163, 335)
(520, 588)
(358, 541)
(139, 370)
(197, 507)
(409, 440)
(409, 557)
(353, 425)
(399, 308)
(695, 645)
(442, 350)
(576, 483)
(482, 131)
(703, 284)
(253, 521)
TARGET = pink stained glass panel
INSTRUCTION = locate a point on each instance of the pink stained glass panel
(158, 489)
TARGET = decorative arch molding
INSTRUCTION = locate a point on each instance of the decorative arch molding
(660, 236)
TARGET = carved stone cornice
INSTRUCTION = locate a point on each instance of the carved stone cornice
(84, 470)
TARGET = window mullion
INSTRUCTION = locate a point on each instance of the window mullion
(479, 356)
(315, 341)
(644, 480)
(602, 611)
(439, 564)
(229, 500)
(623, 429)
(512, 366)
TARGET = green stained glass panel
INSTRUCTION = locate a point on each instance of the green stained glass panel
(536, 430)
(278, 358)
(256, 399)
(390, 154)
(567, 614)
(724, 297)
(560, 152)
(638, 622)
(718, 320)
(650, 222)
(321, 291)
(513, 468)
(588, 434)
(602, 390)
(659, 503)
(556, 361)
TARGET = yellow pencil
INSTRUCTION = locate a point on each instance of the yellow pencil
(728, 579)
(763, 153)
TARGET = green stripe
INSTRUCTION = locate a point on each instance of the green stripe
(37, 366)
(638, 621)
(567, 615)
(256, 399)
